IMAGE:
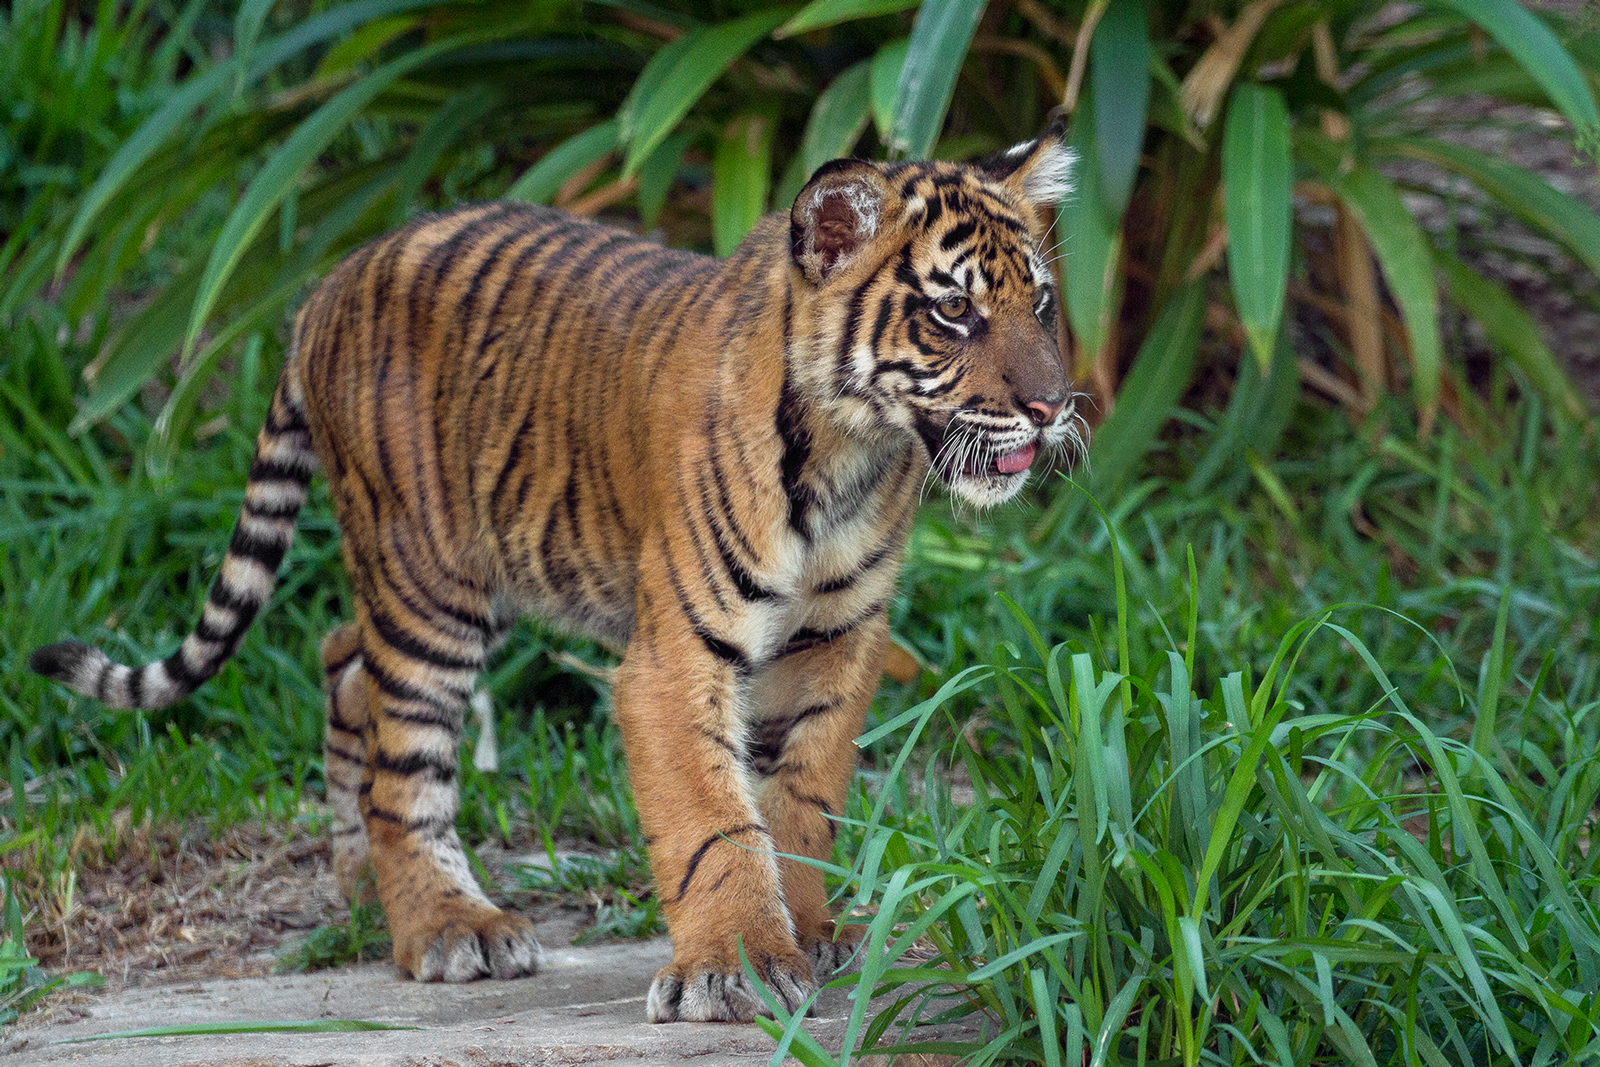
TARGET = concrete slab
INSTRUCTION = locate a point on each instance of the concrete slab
(586, 1006)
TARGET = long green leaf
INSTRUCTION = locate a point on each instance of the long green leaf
(541, 181)
(1524, 193)
(1525, 36)
(656, 174)
(884, 82)
(837, 120)
(820, 14)
(1257, 179)
(278, 176)
(168, 118)
(314, 1026)
(1402, 251)
(1159, 377)
(246, 28)
(940, 37)
(1511, 329)
(1119, 75)
(678, 76)
(1092, 237)
(741, 177)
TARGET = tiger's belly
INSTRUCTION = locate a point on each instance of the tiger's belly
(560, 567)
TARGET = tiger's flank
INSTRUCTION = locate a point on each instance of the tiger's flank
(713, 464)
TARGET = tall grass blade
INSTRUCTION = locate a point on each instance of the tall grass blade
(1524, 193)
(1511, 329)
(1093, 244)
(178, 108)
(883, 82)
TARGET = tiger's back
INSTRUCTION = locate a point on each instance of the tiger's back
(711, 464)
(498, 420)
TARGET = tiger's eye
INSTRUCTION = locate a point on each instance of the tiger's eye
(954, 307)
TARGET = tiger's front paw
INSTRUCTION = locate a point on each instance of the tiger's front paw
(711, 993)
(466, 942)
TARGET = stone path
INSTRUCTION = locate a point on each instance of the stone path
(586, 1006)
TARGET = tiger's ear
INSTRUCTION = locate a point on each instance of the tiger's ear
(834, 216)
(1040, 170)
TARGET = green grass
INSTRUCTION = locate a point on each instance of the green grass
(1155, 871)
(364, 937)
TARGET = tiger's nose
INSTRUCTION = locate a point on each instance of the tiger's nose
(1044, 409)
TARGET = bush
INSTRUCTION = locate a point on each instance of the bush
(1196, 127)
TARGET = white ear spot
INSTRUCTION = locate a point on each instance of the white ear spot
(1049, 180)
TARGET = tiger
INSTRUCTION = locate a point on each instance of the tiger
(712, 465)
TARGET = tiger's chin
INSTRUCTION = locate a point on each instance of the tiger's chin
(990, 479)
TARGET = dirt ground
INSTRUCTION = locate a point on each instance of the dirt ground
(179, 905)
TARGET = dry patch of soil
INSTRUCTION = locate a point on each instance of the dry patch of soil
(177, 904)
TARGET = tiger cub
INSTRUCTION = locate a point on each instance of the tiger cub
(714, 464)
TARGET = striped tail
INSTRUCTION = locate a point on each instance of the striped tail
(279, 476)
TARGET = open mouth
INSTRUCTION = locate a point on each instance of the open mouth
(1003, 465)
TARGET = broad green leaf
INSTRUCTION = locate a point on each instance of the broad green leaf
(160, 127)
(657, 173)
(837, 120)
(678, 76)
(1402, 251)
(1257, 179)
(1119, 74)
(541, 181)
(142, 345)
(1510, 328)
(278, 176)
(884, 78)
(741, 177)
(1091, 238)
(1525, 36)
(939, 39)
(1160, 374)
(1525, 194)
(823, 13)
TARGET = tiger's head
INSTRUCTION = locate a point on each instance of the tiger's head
(927, 305)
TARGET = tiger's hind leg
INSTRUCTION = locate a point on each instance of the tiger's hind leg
(344, 756)
(422, 648)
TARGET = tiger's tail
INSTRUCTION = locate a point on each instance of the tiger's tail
(280, 475)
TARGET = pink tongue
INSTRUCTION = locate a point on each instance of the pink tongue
(1016, 462)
